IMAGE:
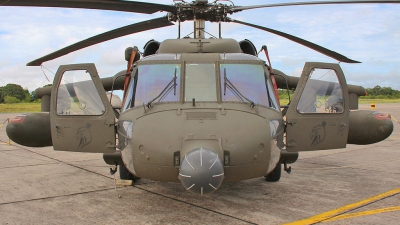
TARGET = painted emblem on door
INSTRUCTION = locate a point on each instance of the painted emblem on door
(318, 134)
(84, 136)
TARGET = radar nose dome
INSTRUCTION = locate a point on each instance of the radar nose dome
(201, 171)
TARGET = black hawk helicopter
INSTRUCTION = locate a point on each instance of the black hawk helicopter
(197, 110)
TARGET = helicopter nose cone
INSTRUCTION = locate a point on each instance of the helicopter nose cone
(201, 171)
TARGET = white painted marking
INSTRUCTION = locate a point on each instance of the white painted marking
(188, 162)
(213, 163)
(190, 187)
(212, 186)
(219, 175)
(184, 175)
(201, 157)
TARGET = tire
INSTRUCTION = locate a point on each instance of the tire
(124, 173)
(275, 175)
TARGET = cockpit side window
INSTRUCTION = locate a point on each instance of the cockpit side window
(244, 82)
(154, 83)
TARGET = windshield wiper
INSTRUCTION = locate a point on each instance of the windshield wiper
(171, 85)
(228, 84)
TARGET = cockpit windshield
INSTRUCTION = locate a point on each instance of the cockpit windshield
(152, 83)
(244, 83)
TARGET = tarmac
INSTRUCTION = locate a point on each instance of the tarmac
(356, 185)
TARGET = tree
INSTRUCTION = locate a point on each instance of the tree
(13, 90)
(379, 92)
(11, 99)
(376, 90)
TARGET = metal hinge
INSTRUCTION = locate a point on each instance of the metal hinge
(110, 145)
(110, 123)
(291, 143)
(292, 122)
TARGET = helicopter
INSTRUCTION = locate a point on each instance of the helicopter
(196, 110)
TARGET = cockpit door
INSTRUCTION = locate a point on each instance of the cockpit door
(318, 116)
(82, 119)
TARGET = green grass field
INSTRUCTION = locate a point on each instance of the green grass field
(20, 107)
(360, 101)
(369, 101)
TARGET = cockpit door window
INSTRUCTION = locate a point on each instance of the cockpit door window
(322, 93)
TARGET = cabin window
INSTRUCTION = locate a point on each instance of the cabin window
(322, 93)
(154, 83)
(77, 95)
(200, 82)
(245, 83)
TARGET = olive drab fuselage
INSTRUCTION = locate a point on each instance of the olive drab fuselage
(201, 113)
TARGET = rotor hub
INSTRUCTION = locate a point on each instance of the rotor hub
(208, 12)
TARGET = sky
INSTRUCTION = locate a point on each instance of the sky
(369, 33)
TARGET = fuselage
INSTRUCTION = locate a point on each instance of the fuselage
(222, 103)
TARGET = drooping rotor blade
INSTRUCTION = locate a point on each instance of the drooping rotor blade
(122, 31)
(318, 48)
(240, 8)
(115, 5)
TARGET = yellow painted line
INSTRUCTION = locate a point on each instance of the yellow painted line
(365, 213)
(352, 166)
(329, 214)
(394, 118)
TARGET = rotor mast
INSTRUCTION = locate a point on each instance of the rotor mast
(199, 26)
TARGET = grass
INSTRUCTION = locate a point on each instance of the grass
(369, 101)
(360, 101)
(19, 107)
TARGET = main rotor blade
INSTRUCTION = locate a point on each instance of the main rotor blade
(240, 8)
(115, 5)
(325, 51)
(122, 31)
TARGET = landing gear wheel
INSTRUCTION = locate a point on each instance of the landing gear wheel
(124, 173)
(275, 175)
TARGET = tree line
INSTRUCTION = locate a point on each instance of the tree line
(379, 92)
(14, 93)
(376, 92)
